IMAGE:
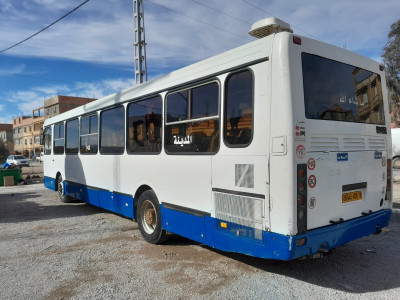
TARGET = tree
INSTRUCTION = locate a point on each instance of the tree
(391, 59)
(4, 152)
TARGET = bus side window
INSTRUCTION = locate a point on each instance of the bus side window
(112, 131)
(193, 120)
(47, 141)
(72, 137)
(58, 138)
(88, 135)
(144, 126)
(238, 116)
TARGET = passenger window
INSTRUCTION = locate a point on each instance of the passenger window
(112, 131)
(144, 126)
(238, 116)
(197, 132)
(89, 135)
(58, 138)
(72, 137)
(177, 106)
(47, 141)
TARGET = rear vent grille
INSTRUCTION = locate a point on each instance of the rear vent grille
(240, 210)
(324, 144)
(354, 144)
(376, 144)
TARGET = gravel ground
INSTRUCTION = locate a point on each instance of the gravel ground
(51, 250)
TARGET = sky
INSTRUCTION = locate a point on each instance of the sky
(90, 52)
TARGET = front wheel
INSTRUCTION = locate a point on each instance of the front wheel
(60, 188)
(149, 218)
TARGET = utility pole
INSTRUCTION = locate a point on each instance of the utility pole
(140, 43)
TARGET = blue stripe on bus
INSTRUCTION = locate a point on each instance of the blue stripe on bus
(121, 204)
(50, 183)
(208, 231)
(233, 237)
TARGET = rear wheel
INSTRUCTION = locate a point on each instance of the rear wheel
(60, 188)
(149, 218)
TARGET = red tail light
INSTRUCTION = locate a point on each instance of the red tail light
(301, 198)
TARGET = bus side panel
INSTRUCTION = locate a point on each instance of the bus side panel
(50, 183)
(183, 224)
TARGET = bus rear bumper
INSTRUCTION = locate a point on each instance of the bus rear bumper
(332, 236)
(282, 247)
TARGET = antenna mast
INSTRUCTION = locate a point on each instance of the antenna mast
(140, 43)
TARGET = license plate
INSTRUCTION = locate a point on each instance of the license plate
(352, 196)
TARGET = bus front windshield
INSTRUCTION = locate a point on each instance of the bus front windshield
(340, 92)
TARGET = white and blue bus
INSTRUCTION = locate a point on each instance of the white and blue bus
(279, 149)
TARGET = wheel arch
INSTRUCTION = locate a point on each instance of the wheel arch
(139, 192)
(57, 176)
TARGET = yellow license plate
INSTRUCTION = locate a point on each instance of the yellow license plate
(352, 196)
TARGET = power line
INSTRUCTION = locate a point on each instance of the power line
(19, 43)
(198, 20)
(221, 12)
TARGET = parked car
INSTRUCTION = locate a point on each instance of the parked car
(40, 157)
(396, 148)
(18, 160)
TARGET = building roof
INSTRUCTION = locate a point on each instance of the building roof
(6, 127)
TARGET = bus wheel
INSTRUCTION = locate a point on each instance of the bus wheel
(149, 218)
(60, 187)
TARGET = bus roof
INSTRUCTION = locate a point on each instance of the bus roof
(252, 52)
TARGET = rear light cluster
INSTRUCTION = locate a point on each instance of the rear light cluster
(301, 198)
(389, 179)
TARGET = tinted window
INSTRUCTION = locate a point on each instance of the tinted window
(59, 139)
(47, 140)
(238, 123)
(340, 92)
(89, 136)
(112, 131)
(193, 137)
(177, 105)
(72, 139)
(188, 135)
(144, 126)
(204, 101)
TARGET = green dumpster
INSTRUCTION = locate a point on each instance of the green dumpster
(10, 172)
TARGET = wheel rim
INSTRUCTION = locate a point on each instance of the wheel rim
(148, 216)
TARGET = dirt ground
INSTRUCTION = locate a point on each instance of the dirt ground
(51, 250)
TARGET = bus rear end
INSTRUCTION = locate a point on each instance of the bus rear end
(339, 144)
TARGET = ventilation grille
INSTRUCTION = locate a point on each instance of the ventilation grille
(324, 144)
(354, 144)
(376, 144)
(240, 210)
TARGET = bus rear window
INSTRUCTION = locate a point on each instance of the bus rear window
(340, 92)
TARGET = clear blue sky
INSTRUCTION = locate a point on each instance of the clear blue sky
(90, 52)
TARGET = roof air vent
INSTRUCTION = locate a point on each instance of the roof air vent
(268, 26)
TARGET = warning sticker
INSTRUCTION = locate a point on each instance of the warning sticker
(300, 151)
(383, 161)
(312, 181)
(312, 202)
(311, 164)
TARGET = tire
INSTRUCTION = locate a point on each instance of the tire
(60, 188)
(396, 163)
(149, 218)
